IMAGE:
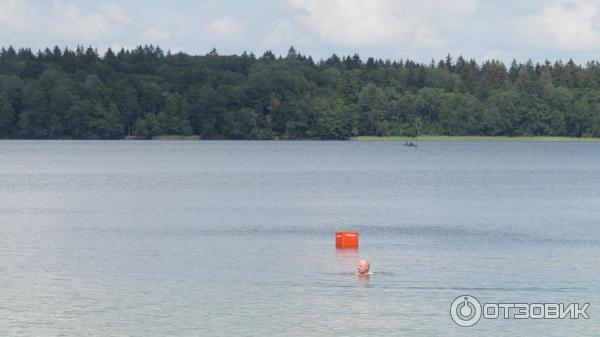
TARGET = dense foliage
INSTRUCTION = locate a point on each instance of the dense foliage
(78, 94)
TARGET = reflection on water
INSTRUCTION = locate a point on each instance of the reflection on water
(364, 280)
(347, 258)
(237, 238)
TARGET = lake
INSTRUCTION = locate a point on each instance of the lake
(227, 238)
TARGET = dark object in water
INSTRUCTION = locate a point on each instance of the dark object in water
(410, 144)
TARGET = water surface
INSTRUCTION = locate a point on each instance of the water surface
(237, 238)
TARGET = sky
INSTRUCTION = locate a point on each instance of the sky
(389, 29)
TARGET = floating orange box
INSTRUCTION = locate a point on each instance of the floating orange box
(346, 239)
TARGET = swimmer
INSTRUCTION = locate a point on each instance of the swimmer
(363, 268)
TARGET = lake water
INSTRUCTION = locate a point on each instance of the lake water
(237, 238)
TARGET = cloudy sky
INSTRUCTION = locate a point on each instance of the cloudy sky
(394, 29)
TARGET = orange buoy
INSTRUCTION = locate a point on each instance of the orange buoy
(346, 239)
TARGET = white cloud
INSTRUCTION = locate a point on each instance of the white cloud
(71, 22)
(115, 12)
(369, 23)
(225, 27)
(565, 25)
(352, 22)
(60, 22)
(426, 37)
(68, 21)
(420, 29)
(13, 14)
(156, 34)
(281, 34)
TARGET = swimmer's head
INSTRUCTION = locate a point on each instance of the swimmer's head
(363, 267)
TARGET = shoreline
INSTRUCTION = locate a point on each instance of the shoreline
(472, 139)
(352, 139)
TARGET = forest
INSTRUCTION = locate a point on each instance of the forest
(146, 92)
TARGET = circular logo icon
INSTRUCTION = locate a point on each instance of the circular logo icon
(465, 310)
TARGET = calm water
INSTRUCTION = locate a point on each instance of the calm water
(237, 238)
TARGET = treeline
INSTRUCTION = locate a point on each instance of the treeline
(145, 92)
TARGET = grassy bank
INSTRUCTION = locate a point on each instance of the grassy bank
(476, 139)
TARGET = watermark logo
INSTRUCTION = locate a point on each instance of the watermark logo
(466, 310)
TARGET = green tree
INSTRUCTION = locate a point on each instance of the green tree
(34, 119)
(144, 91)
(105, 124)
(7, 117)
(240, 124)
